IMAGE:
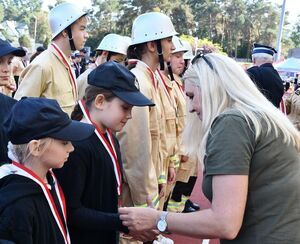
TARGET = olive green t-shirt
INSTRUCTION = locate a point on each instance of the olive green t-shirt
(272, 213)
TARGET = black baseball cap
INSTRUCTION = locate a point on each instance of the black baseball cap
(37, 118)
(120, 81)
(6, 48)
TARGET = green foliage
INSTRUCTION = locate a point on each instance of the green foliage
(295, 35)
(230, 25)
(204, 43)
(29, 12)
(1, 12)
(24, 41)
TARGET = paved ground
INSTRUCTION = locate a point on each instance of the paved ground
(198, 197)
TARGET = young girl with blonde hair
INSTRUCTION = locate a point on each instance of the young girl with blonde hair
(32, 204)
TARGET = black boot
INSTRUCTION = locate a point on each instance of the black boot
(188, 208)
(193, 205)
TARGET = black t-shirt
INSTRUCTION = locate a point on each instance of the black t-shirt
(268, 81)
(6, 104)
(90, 187)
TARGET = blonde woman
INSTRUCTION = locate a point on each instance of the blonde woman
(250, 152)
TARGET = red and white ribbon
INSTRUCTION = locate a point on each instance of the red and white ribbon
(109, 146)
(17, 168)
(70, 70)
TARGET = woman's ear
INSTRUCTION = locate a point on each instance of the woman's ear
(151, 46)
(34, 148)
(99, 101)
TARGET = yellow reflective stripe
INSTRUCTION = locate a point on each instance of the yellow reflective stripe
(173, 206)
(141, 205)
(162, 181)
(162, 178)
(176, 160)
(155, 202)
(183, 199)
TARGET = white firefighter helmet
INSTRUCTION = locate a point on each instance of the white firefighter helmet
(127, 39)
(114, 43)
(189, 54)
(62, 16)
(151, 26)
(178, 44)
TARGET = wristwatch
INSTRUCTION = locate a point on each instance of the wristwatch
(162, 222)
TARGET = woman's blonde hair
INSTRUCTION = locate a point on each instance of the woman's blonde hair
(225, 85)
(21, 152)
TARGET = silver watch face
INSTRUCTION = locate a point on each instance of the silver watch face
(162, 225)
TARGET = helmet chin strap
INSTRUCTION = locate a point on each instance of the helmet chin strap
(170, 71)
(71, 41)
(160, 55)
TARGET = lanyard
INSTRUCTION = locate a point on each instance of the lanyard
(166, 89)
(109, 146)
(180, 88)
(67, 64)
(22, 170)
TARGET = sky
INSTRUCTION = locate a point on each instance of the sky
(293, 6)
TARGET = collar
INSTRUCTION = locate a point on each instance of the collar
(267, 65)
(59, 54)
(178, 80)
(167, 80)
(146, 69)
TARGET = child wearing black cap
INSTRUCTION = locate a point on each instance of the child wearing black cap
(92, 178)
(7, 52)
(32, 204)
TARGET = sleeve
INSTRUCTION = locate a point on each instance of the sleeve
(16, 225)
(33, 81)
(229, 147)
(72, 179)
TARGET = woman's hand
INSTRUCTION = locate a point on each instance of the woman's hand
(139, 219)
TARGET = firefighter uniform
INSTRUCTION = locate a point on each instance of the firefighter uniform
(170, 126)
(49, 76)
(140, 142)
(188, 170)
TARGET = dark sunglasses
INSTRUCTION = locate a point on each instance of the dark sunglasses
(202, 55)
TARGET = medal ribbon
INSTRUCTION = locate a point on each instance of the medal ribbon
(67, 64)
(109, 146)
(22, 170)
